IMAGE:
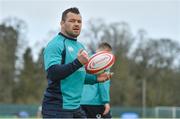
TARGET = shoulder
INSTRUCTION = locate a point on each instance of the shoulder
(57, 40)
(55, 43)
(80, 44)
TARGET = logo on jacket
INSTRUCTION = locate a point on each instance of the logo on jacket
(70, 49)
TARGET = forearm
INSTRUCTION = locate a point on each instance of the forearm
(61, 71)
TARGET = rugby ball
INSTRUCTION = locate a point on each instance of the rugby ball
(99, 62)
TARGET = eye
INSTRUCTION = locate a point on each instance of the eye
(72, 20)
(79, 21)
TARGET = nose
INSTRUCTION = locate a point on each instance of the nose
(77, 23)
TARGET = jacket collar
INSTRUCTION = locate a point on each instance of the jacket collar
(67, 37)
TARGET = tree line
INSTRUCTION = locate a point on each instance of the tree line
(138, 59)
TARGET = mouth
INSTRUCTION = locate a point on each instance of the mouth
(76, 29)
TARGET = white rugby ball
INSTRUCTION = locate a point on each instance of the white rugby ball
(99, 62)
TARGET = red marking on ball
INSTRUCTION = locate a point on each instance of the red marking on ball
(99, 62)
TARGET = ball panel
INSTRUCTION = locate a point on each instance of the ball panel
(99, 62)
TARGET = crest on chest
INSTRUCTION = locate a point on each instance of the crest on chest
(70, 49)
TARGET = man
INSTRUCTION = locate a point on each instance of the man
(64, 58)
(95, 98)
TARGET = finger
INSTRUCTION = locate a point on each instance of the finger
(103, 75)
(80, 51)
(85, 54)
(106, 111)
(110, 75)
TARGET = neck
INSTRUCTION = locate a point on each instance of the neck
(67, 37)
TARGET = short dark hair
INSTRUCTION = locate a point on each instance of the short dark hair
(73, 10)
(104, 45)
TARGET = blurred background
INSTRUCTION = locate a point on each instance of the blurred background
(144, 34)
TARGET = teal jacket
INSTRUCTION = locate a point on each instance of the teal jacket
(97, 94)
(65, 80)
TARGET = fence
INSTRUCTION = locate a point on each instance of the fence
(167, 112)
(9, 110)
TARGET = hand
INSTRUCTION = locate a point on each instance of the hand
(104, 76)
(83, 57)
(107, 108)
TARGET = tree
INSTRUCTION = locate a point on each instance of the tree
(154, 63)
(24, 89)
(40, 77)
(30, 87)
(8, 45)
(118, 35)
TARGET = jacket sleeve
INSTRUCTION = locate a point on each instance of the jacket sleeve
(90, 79)
(104, 90)
(61, 71)
(52, 60)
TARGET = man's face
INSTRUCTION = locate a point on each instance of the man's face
(72, 25)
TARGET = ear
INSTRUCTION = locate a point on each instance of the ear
(61, 23)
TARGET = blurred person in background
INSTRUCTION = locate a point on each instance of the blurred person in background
(64, 60)
(95, 98)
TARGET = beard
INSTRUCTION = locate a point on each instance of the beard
(72, 34)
